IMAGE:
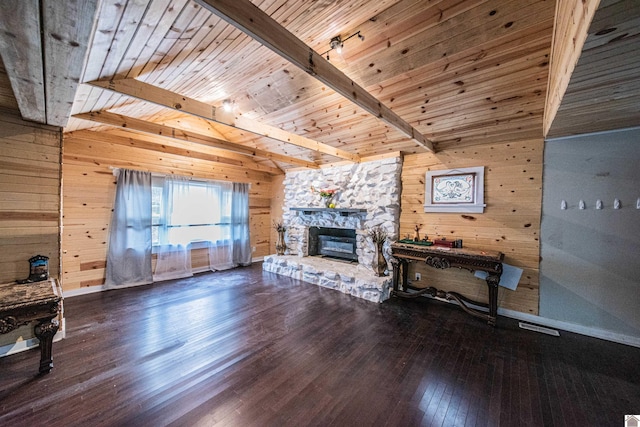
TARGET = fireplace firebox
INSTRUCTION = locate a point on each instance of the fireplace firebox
(333, 242)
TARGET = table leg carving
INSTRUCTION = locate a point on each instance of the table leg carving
(44, 331)
(492, 285)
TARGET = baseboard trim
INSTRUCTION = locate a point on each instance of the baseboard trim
(559, 324)
(83, 291)
(572, 327)
(20, 346)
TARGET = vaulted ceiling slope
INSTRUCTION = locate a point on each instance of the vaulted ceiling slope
(457, 73)
(603, 92)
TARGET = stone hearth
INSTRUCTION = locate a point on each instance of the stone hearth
(349, 278)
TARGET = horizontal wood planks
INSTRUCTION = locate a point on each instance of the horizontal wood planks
(29, 195)
(510, 222)
(89, 190)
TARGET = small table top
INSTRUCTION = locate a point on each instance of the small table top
(18, 295)
(439, 250)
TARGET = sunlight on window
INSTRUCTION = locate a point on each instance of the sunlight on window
(194, 211)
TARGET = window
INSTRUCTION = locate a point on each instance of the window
(186, 211)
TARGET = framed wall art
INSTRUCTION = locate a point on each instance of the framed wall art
(455, 190)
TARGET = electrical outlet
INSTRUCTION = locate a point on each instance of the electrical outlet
(253, 249)
(418, 276)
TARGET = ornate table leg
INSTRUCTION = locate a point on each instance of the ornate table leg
(395, 264)
(44, 331)
(492, 284)
(404, 264)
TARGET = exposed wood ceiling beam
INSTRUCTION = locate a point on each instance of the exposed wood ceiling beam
(22, 55)
(175, 101)
(186, 135)
(44, 77)
(67, 31)
(130, 141)
(251, 20)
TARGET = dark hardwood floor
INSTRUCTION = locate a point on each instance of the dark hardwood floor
(247, 348)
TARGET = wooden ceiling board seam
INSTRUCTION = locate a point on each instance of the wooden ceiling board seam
(612, 15)
(411, 26)
(479, 66)
(628, 29)
(168, 45)
(396, 62)
(469, 19)
(537, 35)
(123, 35)
(158, 22)
(186, 51)
(447, 91)
(240, 41)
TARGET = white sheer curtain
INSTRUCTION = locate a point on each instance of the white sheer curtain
(221, 249)
(173, 251)
(129, 252)
(234, 248)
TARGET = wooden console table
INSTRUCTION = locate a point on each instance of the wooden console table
(39, 302)
(438, 257)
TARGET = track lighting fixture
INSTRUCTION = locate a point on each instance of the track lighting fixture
(227, 105)
(337, 43)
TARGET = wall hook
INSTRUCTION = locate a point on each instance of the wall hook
(563, 205)
(581, 205)
(598, 204)
(616, 204)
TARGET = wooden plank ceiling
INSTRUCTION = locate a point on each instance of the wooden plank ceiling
(450, 69)
(604, 88)
(458, 73)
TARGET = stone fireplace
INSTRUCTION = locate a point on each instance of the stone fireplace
(368, 195)
(336, 243)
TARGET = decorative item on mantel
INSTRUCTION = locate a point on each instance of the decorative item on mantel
(280, 244)
(378, 236)
(327, 195)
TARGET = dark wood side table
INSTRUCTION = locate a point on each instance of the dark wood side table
(437, 257)
(38, 302)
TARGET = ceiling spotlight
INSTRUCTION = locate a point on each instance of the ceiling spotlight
(336, 43)
(227, 105)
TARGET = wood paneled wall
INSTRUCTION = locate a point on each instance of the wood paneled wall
(30, 195)
(510, 222)
(89, 192)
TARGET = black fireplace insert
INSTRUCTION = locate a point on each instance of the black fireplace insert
(333, 242)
